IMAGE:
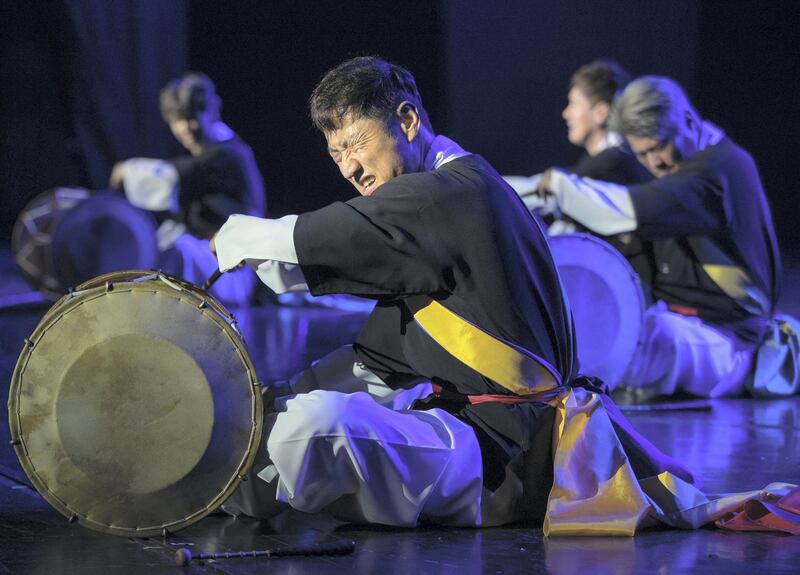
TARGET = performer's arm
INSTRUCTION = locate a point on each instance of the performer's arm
(688, 202)
(372, 248)
(603, 207)
(266, 245)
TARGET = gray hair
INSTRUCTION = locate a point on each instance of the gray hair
(652, 107)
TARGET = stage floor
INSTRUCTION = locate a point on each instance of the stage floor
(737, 445)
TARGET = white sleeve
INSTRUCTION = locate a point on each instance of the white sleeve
(526, 186)
(266, 245)
(280, 277)
(603, 207)
(150, 184)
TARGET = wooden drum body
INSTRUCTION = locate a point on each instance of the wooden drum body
(134, 407)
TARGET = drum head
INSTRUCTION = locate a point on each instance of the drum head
(69, 235)
(134, 407)
(606, 300)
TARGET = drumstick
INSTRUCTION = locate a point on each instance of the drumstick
(183, 556)
(210, 282)
(697, 405)
(216, 275)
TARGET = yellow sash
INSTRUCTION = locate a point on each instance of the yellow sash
(598, 495)
(491, 357)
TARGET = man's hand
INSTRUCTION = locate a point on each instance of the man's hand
(543, 189)
(272, 391)
(212, 245)
(115, 180)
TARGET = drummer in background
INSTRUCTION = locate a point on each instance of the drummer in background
(592, 91)
(717, 266)
(199, 191)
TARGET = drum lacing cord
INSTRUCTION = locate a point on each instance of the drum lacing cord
(200, 302)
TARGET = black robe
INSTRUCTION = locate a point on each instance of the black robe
(615, 164)
(461, 235)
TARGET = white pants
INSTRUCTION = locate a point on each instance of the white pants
(189, 258)
(360, 455)
(679, 353)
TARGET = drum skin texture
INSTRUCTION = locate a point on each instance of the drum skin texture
(66, 236)
(134, 408)
(607, 304)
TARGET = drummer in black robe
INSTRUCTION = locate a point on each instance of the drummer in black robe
(443, 409)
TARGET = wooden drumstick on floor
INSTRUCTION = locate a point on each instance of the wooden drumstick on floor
(183, 556)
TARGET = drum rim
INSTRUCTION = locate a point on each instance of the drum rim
(631, 273)
(224, 320)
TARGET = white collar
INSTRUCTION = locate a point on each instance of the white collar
(610, 140)
(710, 135)
(442, 150)
(221, 132)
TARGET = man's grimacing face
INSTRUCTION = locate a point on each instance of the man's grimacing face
(368, 153)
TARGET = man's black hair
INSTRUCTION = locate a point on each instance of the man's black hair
(364, 87)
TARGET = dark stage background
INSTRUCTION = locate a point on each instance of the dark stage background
(80, 80)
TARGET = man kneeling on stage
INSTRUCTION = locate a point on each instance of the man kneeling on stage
(705, 216)
(443, 409)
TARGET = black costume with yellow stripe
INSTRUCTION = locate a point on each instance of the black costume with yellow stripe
(714, 242)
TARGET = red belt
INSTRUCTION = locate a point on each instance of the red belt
(683, 310)
(543, 397)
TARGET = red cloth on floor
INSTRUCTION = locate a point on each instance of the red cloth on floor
(782, 515)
